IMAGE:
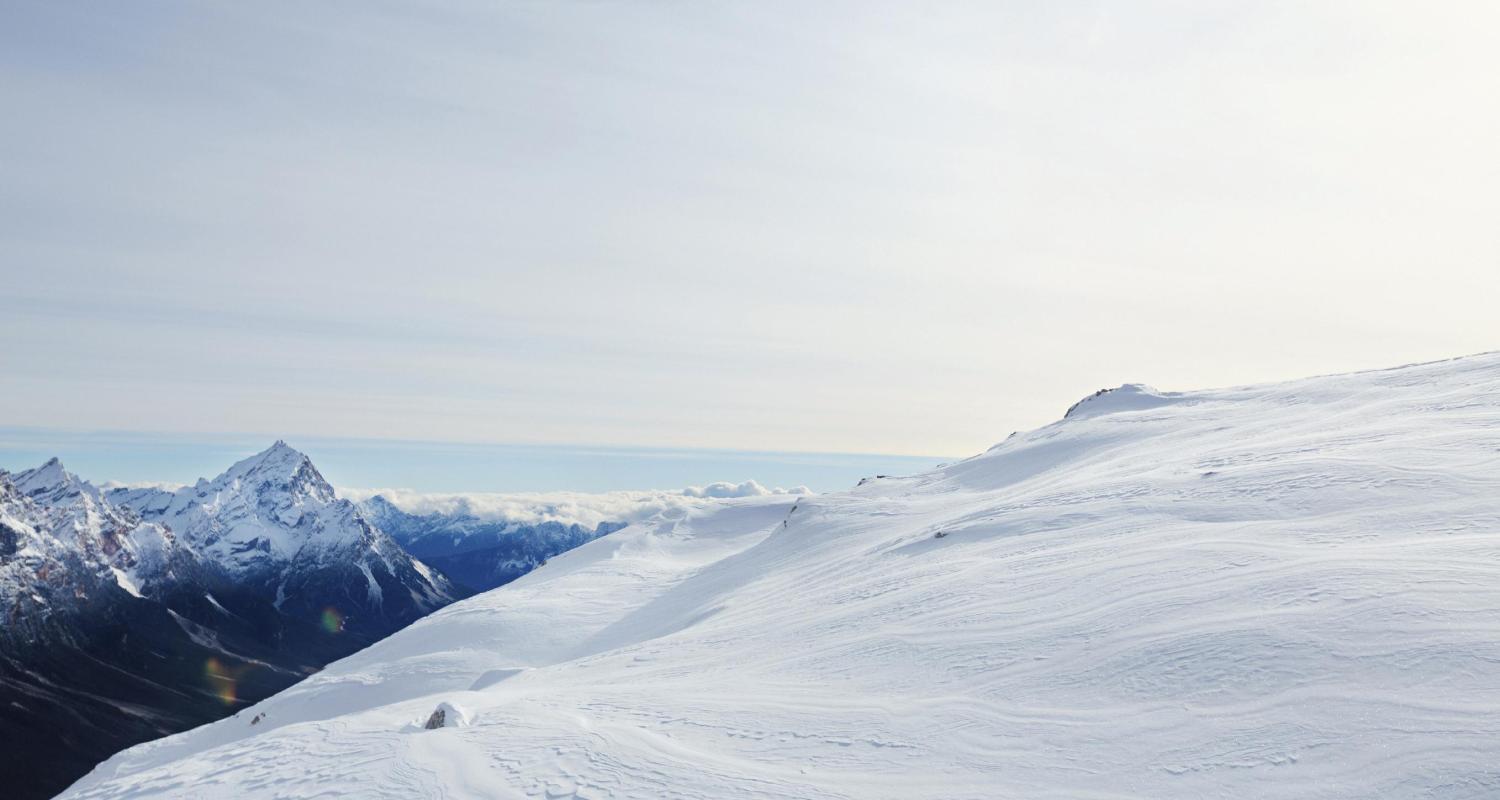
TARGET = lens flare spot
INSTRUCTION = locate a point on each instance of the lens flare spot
(222, 680)
(333, 621)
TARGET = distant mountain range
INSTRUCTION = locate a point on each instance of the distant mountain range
(132, 613)
(476, 552)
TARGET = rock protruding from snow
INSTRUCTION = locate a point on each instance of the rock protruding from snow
(446, 715)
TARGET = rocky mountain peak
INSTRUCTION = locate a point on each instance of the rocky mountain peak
(50, 480)
(279, 467)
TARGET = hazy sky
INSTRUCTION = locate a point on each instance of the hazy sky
(854, 227)
(437, 467)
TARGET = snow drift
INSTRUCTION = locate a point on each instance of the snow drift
(1277, 591)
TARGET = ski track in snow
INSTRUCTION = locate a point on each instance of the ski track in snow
(1279, 591)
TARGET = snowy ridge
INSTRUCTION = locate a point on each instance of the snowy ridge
(268, 517)
(1279, 591)
(1130, 397)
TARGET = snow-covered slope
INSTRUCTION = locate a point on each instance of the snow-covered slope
(1276, 591)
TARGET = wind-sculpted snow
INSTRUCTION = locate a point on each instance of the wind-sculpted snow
(1279, 591)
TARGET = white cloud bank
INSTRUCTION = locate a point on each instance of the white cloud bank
(583, 508)
(746, 489)
(165, 486)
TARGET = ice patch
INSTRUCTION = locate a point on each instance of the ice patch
(124, 580)
(215, 603)
(201, 636)
(372, 590)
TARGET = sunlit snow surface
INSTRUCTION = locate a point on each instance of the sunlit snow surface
(1279, 591)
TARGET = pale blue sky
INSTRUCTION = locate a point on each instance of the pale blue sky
(837, 227)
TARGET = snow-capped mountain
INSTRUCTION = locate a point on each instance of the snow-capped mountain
(134, 613)
(41, 570)
(1288, 591)
(271, 522)
(87, 664)
(68, 517)
(476, 552)
(65, 550)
